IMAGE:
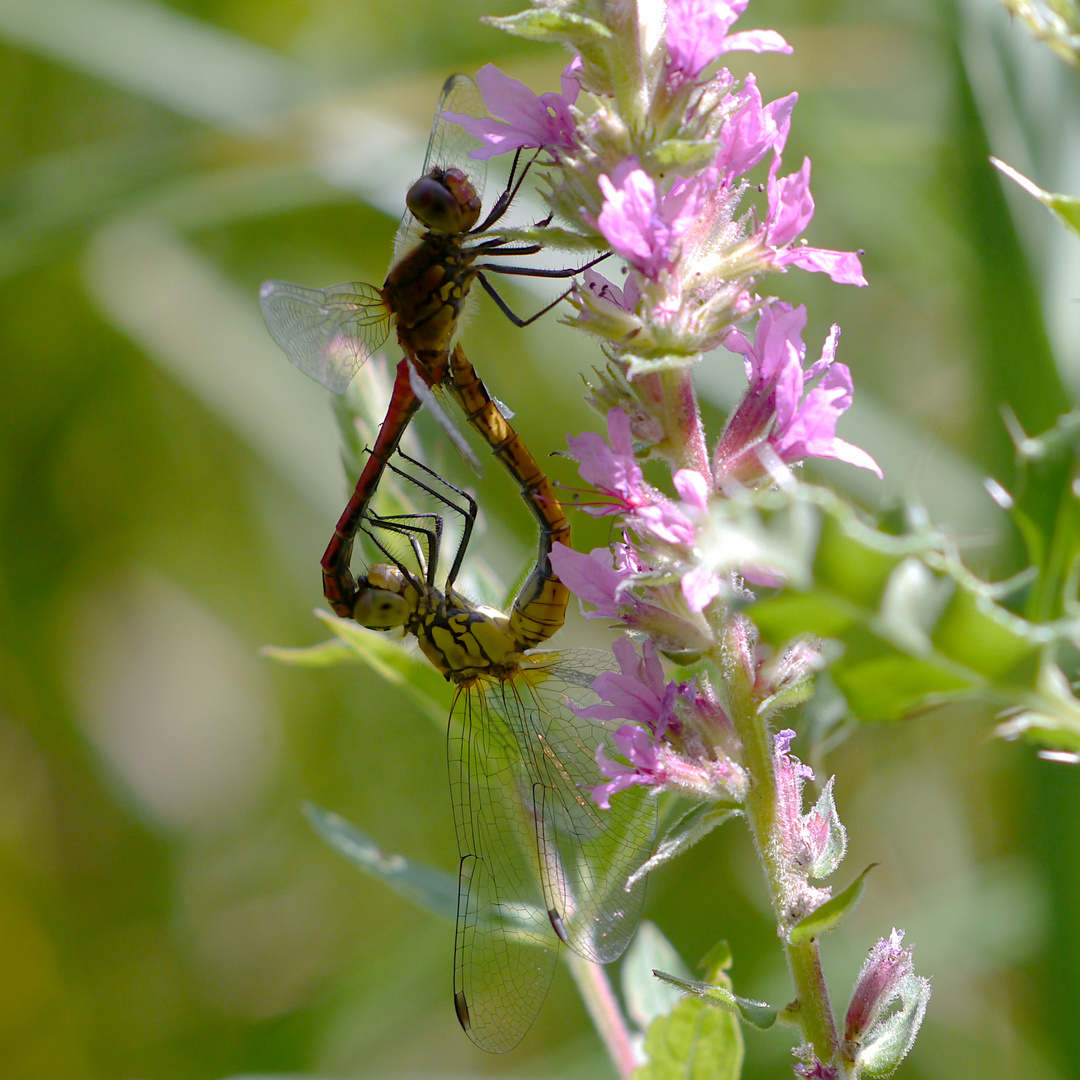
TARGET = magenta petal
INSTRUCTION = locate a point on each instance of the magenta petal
(693, 488)
(844, 267)
(757, 41)
(590, 577)
(700, 586)
(791, 206)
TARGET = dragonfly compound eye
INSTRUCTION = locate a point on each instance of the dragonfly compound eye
(379, 609)
(445, 202)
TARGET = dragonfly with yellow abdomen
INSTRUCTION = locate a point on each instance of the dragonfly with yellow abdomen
(541, 864)
(443, 248)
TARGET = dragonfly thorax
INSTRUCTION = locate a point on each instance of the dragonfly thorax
(466, 640)
(445, 201)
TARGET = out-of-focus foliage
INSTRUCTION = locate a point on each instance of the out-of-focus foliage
(168, 482)
(1055, 23)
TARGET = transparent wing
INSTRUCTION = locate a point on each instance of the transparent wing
(535, 849)
(431, 401)
(586, 855)
(327, 333)
(449, 146)
(505, 948)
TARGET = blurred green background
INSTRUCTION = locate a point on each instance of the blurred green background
(168, 483)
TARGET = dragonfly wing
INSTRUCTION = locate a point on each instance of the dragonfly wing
(586, 855)
(450, 144)
(327, 333)
(505, 949)
(434, 406)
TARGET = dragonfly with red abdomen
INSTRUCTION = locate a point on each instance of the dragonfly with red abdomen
(542, 865)
(328, 333)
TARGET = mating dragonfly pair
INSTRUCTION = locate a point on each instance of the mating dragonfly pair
(541, 865)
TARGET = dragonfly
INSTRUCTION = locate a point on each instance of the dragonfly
(442, 249)
(541, 866)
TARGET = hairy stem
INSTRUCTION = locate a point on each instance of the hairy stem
(813, 1010)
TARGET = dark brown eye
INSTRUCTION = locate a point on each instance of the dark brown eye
(435, 206)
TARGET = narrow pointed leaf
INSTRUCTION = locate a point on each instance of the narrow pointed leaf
(549, 24)
(422, 885)
(1065, 208)
(396, 664)
(758, 1014)
(326, 654)
(832, 913)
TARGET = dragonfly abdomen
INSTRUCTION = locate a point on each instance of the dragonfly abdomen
(540, 607)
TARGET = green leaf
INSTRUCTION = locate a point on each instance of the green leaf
(646, 996)
(1064, 207)
(549, 24)
(1047, 512)
(832, 852)
(328, 654)
(693, 1042)
(691, 827)
(756, 1013)
(915, 628)
(831, 914)
(397, 664)
(422, 885)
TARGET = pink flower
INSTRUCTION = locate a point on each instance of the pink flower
(643, 224)
(877, 1035)
(625, 299)
(594, 579)
(774, 410)
(610, 466)
(525, 119)
(678, 751)
(637, 692)
(791, 207)
(700, 585)
(636, 745)
(697, 33)
(749, 134)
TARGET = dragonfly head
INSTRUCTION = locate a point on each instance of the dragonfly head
(445, 201)
(382, 602)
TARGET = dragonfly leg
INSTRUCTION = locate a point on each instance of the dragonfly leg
(505, 308)
(528, 271)
(468, 515)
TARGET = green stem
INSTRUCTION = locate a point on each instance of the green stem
(813, 1011)
(595, 989)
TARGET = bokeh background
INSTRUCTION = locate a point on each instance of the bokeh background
(168, 482)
